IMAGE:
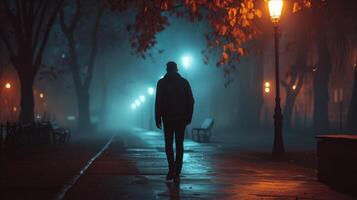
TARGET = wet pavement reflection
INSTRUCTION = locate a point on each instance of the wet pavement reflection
(134, 167)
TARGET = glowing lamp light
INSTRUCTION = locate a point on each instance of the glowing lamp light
(42, 95)
(14, 109)
(186, 61)
(151, 90)
(275, 8)
(142, 98)
(267, 84)
(294, 87)
(267, 87)
(137, 103)
(8, 85)
(267, 90)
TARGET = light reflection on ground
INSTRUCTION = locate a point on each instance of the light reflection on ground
(209, 172)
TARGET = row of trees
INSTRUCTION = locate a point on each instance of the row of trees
(236, 29)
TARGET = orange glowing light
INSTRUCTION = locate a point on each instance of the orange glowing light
(267, 84)
(267, 90)
(14, 109)
(42, 95)
(294, 87)
(275, 8)
(8, 85)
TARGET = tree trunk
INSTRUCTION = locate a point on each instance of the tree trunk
(288, 110)
(291, 95)
(321, 80)
(250, 93)
(297, 75)
(27, 98)
(83, 109)
(352, 112)
(82, 85)
(104, 93)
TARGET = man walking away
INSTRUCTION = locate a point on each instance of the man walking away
(174, 107)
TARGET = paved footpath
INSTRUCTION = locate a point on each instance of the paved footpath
(134, 167)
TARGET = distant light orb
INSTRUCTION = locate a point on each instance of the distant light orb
(186, 61)
(8, 85)
(267, 84)
(151, 90)
(137, 103)
(133, 106)
(267, 90)
(294, 87)
(14, 109)
(42, 95)
(142, 98)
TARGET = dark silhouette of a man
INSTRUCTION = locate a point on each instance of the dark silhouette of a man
(174, 107)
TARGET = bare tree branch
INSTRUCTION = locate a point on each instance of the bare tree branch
(63, 25)
(77, 15)
(39, 25)
(50, 23)
(38, 7)
(8, 11)
(94, 47)
(74, 66)
(7, 43)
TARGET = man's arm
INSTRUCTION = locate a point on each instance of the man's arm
(190, 103)
(158, 105)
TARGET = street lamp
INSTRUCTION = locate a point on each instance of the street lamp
(275, 8)
(137, 103)
(267, 87)
(8, 85)
(151, 91)
(186, 61)
(142, 98)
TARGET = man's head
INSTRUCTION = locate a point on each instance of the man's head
(171, 67)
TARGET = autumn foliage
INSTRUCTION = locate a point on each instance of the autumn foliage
(231, 22)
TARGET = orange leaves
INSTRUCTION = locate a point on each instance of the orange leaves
(231, 23)
(258, 13)
(232, 16)
(300, 4)
(307, 3)
(223, 30)
(240, 51)
(296, 7)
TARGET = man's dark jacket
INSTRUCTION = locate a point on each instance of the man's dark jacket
(174, 99)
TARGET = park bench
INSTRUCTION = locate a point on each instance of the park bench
(204, 133)
(337, 161)
(60, 135)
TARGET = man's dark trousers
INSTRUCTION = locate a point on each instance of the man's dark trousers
(174, 127)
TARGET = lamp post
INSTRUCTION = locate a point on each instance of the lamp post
(275, 8)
